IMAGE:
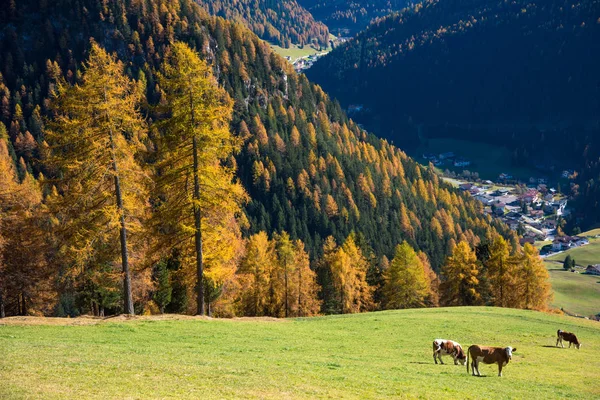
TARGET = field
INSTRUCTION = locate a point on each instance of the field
(295, 52)
(584, 255)
(375, 355)
(576, 293)
(486, 159)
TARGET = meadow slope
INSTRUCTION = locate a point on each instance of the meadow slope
(374, 355)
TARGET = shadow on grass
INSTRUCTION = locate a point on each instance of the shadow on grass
(551, 347)
(423, 363)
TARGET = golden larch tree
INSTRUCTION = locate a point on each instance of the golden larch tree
(94, 139)
(406, 284)
(192, 179)
(460, 286)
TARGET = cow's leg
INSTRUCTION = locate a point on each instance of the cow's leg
(499, 369)
(435, 357)
(440, 357)
(473, 366)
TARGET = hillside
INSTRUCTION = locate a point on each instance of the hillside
(575, 292)
(307, 168)
(282, 22)
(348, 17)
(374, 355)
(519, 75)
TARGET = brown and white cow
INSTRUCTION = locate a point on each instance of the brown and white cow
(443, 347)
(489, 355)
(569, 337)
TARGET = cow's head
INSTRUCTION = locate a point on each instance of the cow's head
(509, 350)
(578, 345)
(461, 356)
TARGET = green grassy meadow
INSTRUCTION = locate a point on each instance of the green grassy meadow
(584, 255)
(295, 52)
(374, 355)
(576, 293)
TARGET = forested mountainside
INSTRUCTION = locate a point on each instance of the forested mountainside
(348, 17)
(519, 74)
(282, 22)
(306, 168)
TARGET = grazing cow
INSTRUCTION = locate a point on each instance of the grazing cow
(443, 347)
(569, 337)
(489, 355)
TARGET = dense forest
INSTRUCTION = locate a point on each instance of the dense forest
(517, 74)
(348, 17)
(282, 22)
(298, 200)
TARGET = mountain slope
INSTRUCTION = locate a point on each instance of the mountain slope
(282, 22)
(474, 61)
(348, 17)
(520, 74)
(308, 169)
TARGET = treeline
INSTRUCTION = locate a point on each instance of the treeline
(305, 168)
(281, 22)
(348, 17)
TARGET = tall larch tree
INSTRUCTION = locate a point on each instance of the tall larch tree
(535, 291)
(460, 284)
(94, 139)
(501, 273)
(406, 284)
(192, 178)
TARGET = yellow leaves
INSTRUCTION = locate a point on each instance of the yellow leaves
(460, 273)
(295, 136)
(259, 131)
(331, 207)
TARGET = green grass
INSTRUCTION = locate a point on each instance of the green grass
(486, 159)
(375, 355)
(577, 293)
(295, 51)
(592, 233)
(584, 255)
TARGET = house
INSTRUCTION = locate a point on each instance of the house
(465, 186)
(593, 269)
(536, 213)
(498, 209)
(581, 241)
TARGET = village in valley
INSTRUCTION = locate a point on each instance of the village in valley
(533, 208)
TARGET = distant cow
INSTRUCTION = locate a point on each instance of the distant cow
(443, 347)
(569, 337)
(489, 355)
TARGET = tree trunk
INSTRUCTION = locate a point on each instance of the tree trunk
(300, 292)
(2, 313)
(127, 297)
(285, 275)
(198, 226)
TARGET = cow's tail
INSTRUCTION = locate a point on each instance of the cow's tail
(558, 332)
